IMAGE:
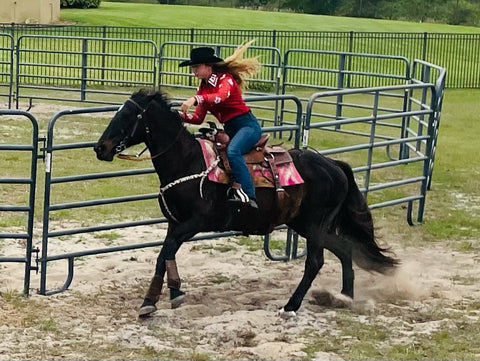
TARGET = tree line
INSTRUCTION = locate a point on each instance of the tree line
(455, 12)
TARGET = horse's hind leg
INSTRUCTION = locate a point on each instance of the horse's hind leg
(342, 248)
(313, 264)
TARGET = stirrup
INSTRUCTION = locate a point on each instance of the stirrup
(253, 203)
(237, 195)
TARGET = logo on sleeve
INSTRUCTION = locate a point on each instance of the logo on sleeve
(213, 79)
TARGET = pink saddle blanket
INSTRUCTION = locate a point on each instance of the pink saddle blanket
(262, 176)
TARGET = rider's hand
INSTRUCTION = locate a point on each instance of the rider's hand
(187, 104)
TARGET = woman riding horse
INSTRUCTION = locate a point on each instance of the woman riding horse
(220, 93)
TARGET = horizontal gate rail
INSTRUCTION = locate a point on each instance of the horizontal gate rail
(8, 186)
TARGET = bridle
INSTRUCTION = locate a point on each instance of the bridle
(122, 145)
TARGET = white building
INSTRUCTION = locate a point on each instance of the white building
(29, 11)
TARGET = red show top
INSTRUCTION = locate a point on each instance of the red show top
(219, 95)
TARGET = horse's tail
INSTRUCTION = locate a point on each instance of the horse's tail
(355, 222)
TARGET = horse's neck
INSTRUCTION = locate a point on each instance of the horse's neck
(181, 158)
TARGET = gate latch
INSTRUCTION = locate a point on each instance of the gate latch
(35, 250)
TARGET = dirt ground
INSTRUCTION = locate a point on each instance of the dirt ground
(231, 310)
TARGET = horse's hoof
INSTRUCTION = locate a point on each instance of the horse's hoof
(145, 311)
(286, 314)
(177, 301)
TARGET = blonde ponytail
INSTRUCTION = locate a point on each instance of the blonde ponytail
(240, 68)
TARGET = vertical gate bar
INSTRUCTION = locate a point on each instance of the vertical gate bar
(372, 143)
(46, 207)
(428, 163)
(425, 77)
(31, 201)
(31, 198)
(340, 85)
(104, 46)
(83, 86)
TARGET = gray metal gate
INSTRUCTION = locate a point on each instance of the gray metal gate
(6, 68)
(381, 129)
(93, 70)
(64, 193)
(19, 175)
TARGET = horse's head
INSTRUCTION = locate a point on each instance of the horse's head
(127, 127)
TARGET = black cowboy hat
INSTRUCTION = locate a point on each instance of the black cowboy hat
(203, 55)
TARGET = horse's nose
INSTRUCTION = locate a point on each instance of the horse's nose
(98, 148)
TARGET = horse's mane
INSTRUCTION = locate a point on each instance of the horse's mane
(163, 100)
(158, 95)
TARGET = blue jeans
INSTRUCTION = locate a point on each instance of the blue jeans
(244, 132)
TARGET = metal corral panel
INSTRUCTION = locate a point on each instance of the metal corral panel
(95, 70)
(18, 159)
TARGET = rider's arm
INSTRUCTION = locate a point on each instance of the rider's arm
(197, 117)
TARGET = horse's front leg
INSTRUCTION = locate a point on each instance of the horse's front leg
(177, 296)
(154, 291)
(166, 263)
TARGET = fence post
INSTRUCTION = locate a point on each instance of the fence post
(104, 35)
(83, 86)
(192, 35)
(350, 43)
(424, 50)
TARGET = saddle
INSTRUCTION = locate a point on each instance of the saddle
(261, 159)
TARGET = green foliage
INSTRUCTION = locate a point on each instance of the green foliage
(163, 16)
(446, 11)
(251, 3)
(81, 4)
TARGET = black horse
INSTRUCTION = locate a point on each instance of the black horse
(328, 209)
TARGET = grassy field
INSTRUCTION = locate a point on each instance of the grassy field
(182, 16)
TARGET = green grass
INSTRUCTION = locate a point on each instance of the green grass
(184, 16)
(368, 340)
